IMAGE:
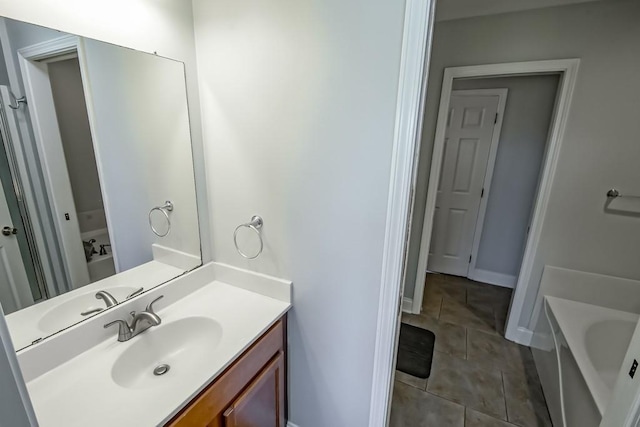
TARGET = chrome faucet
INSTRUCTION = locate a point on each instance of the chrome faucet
(108, 299)
(140, 322)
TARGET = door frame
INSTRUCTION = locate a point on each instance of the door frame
(417, 39)
(502, 94)
(53, 162)
(10, 135)
(568, 70)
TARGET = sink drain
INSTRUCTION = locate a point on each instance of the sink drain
(161, 369)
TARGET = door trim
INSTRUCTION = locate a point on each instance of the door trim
(414, 68)
(52, 158)
(568, 68)
(10, 135)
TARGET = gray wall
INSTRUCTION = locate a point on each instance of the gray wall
(523, 138)
(599, 148)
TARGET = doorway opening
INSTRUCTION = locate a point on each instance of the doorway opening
(54, 81)
(496, 141)
(530, 216)
(77, 145)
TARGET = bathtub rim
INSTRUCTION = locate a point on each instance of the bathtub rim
(574, 319)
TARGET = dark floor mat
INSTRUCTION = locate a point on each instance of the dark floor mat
(415, 351)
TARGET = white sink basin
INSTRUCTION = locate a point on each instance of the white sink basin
(185, 345)
(68, 312)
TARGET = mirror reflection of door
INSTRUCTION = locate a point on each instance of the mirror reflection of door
(17, 270)
(87, 215)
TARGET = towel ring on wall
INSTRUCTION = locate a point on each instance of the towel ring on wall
(165, 209)
(255, 225)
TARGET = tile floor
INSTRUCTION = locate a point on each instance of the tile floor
(478, 378)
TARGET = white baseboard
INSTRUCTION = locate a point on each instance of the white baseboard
(290, 424)
(407, 305)
(493, 278)
(522, 336)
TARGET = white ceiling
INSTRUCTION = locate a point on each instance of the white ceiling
(456, 9)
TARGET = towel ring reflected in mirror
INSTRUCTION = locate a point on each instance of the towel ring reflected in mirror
(165, 209)
(254, 225)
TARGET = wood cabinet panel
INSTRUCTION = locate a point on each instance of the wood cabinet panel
(262, 403)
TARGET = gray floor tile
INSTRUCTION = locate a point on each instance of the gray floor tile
(421, 321)
(415, 408)
(453, 311)
(501, 322)
(487, 349)
(452, 340)
(444, 288)
(468, 320)
(420, 383)
(526, 406)
(456, 291)
(520, 362)
(468, 384)
(431, 303)
(477, 419)
(489, 296)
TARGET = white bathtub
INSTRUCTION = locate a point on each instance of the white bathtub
(590, 343)
(100, 266)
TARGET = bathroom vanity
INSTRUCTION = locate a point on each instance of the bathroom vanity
(218, 357)
(157, 338)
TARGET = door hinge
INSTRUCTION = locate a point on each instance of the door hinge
(482, 193)
(470, 258)
(496, 119)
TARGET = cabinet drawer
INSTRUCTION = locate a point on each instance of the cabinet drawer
(207, 408)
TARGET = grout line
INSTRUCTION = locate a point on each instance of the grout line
(504, 397)
(466, 344)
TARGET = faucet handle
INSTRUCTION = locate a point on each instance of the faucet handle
(124, 331)
(150, 306)
(135, 293)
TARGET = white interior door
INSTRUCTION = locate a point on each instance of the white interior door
(14, 285)
(470, 127)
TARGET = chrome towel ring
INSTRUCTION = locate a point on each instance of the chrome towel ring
(255, 225)
(165, 209)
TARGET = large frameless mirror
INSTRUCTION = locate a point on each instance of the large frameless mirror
(98, 200)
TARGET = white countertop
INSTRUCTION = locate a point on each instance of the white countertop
(81, 391)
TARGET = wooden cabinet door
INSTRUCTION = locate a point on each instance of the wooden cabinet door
(262, 402)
